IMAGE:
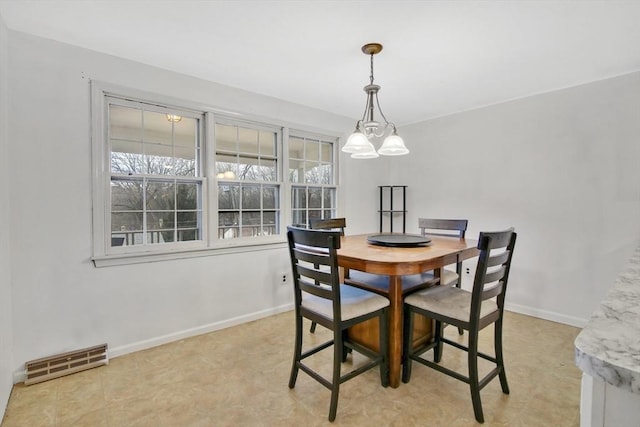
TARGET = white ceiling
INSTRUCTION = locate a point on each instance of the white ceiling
(439, 57)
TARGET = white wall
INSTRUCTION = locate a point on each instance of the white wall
(6, 331)
(563, 168)
(60, 300)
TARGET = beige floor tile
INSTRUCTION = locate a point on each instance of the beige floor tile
(239, 377)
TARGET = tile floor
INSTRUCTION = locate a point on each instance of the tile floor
(238, 377)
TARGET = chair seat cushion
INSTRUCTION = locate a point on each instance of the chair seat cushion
(447, 277)
(449, 301)
(354, 302)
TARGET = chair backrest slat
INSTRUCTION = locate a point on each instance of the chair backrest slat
(328, 224)
(308, 254)
(455, 227)
(319, 277)
(319, 291)
(494, 276)
(498, 259)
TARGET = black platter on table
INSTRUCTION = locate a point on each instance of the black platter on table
(399, 240)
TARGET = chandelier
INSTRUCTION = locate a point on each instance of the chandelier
(359, 142)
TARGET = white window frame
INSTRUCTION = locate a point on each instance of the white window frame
(106, 255)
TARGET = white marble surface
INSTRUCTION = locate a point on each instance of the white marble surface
(609, 345)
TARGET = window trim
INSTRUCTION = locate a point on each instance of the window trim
(209, 245)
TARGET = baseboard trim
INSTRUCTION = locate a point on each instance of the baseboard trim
(19, 376)
(547, 315)
(188, 333)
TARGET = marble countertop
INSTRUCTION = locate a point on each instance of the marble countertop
(609, 345)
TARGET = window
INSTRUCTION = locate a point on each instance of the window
(173, 179)
(248, 180)
(312, 178)
(155, 175)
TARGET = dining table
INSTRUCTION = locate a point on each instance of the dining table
(357, 253)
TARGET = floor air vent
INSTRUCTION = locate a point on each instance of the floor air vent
(63, 364)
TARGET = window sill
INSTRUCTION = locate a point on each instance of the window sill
(156, 256)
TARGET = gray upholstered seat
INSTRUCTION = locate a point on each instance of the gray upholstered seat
(354, 302)
(450, 302)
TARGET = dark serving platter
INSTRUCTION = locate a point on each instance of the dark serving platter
(399, 240)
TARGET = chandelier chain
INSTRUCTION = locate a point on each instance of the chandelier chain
(371, 76)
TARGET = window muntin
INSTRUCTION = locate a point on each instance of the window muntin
(155, 162)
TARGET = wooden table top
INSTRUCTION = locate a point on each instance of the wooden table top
(358, 254)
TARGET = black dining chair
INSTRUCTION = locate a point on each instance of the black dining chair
(471, 311)
(455, 228)
(321, 298)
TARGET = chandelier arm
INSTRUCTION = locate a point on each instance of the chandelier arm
(386, 122)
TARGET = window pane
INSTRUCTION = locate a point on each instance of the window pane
(160, 196)
(267, 170)
(250, 197)
(227, 219)
(326, 152)
(187, 235)
(315, 214)
(315, 197)
(126, 221)
(228, 196)
(226, 166)
(226, 137)
(314, 174)
(299, 218)
(187, 220)
(125, 123)
(329, 213)
(160, 221)
(270, 223)
(187, 196)
(126, 195)
(270, 198)
(296, 148)
(125, 133)
(248, 140)
(157, 128)
(329, 197)
(312, 150)
(268, 142)
(186, 148)
(295, 171)
(159, 159)
(126, 228)
(124, 162)
(299, 198)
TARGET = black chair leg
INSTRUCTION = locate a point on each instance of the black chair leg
(407, 344)
(437, 350)
(345, 350)
(459, 286)
(297, 352)
(474, 383)
(384, 350)
(312, 329)
(499, 358)
(338, 350)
